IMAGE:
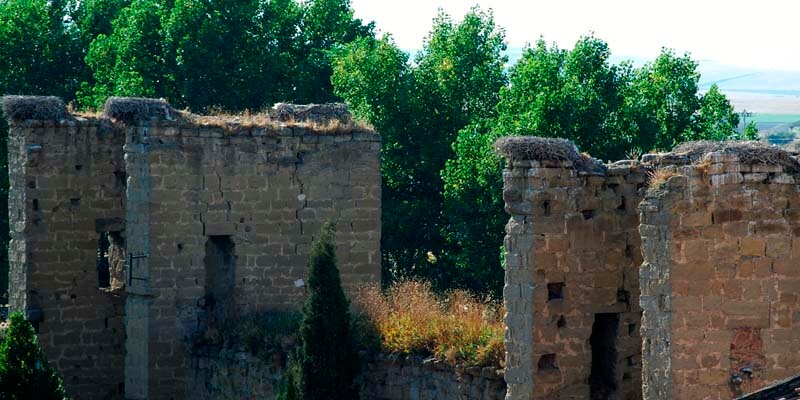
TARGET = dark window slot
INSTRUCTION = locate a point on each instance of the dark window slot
(220, 274)
(602, 382)
(547, 362)
(555, 291)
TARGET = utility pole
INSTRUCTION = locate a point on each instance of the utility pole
(744, 115)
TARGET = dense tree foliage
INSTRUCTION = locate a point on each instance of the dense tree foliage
(327, 361)
(607, 110)
(230, 54)
(438, 112)
(24, 372)
(418, 108)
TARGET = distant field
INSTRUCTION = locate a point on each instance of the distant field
(774, 118)
(765, 103)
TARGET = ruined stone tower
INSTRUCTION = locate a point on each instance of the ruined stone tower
(134, 230)
(702, 243)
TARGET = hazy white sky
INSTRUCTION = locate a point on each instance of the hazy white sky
(761, 34)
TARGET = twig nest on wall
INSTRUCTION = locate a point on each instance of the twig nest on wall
(317, 113)
(21, 108)
(136, 109)
(557, 150)
(747, 152)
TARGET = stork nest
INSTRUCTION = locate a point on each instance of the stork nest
(748, 152)
(21, 108)
(135, 109)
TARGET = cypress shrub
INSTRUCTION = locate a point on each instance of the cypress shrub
(24, 372)
(328, 363)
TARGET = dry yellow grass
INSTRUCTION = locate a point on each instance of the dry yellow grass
(659, 177)
(220, 118)
(456, 327)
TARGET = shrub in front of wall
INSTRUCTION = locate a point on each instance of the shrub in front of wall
(327, 361)
(24, 372)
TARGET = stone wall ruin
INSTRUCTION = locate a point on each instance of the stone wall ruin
(702, 240)
(572, 278)
(135, 230)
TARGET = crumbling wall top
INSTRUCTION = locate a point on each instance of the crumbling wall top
(281, 120)
(745, 152)
(317, 113)
(552, 152)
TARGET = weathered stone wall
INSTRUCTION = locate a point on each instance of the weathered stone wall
(722, 253)
(718, 281)
(204, 219)
(239, 375)
(67, 186)
(269, 193)
(572, 280)
(412, 378)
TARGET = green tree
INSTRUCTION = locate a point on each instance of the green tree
(289, 389)
(328, 363)
(24, 372)
(750, 131)
(716, 119)
(222, 54)
(95, 17)
(131, 60)
(325, 25)
(40, 47)
(607, 110)
(419, 108)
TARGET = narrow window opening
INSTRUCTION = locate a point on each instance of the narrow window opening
(562, 322)
(622, 203)
(546, 208)
(623, 296)
(547, 362)
(555, 291)
(103, 262)
(110, 260)
(120, 179)
(588, 214)
(220, 274)
(35, 204)
(78, 167)
(602, 384)
(631, 329)
(76, 202)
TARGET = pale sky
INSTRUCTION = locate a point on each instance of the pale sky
(763, 34)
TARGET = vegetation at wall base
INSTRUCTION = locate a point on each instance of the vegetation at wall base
(457, 327)
(24, 371)
(328, 363)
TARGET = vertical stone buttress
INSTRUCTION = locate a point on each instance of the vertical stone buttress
(518, 288)
(17, 218)
(137, 274)
(654, 280)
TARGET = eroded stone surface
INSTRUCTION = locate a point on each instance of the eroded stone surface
(710, 245)
(194, 210)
